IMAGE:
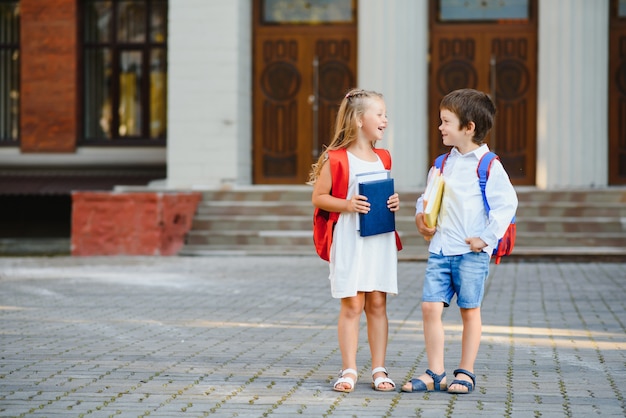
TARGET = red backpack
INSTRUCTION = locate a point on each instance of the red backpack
(324, 221)
(507, 242)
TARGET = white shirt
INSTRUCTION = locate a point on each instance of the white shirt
(462, 214)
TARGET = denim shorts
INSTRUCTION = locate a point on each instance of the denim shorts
(464, 275)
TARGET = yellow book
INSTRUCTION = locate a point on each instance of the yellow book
(432, 198)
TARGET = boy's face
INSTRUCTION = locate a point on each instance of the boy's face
(451, 132)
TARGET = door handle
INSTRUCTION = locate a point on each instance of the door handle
(314, 102)
(493, 87)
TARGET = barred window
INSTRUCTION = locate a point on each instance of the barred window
(124, 71)
(9, 72)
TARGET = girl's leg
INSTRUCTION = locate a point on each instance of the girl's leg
(434, 340)
(472, 331)
(377, 331)
(348, 331)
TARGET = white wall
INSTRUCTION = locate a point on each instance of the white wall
(244, 93)
(572, 123)
(393, 60)
(208, 93)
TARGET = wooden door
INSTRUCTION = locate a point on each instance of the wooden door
(617, 93)
(497, 55)
(301, 72)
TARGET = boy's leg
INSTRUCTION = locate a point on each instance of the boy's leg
(436, 294)
(434, 341)
(377, 331)
(469, 276)
(472, 331)
(434, 335)
(348, 332)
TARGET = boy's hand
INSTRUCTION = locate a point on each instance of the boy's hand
(422, 228)
(476, 244)
(393, 203)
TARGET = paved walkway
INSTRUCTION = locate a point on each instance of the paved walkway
(256, 337)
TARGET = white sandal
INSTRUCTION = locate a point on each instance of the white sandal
(379, 380)
(345, 379)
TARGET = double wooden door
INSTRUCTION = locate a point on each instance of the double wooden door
(499, 57)
(301, 72)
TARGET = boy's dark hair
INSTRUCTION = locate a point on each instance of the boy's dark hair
(471, 106)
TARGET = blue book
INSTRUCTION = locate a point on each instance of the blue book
(379, 219)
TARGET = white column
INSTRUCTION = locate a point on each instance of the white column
(209, 78)
(572, 131)
(393, 60)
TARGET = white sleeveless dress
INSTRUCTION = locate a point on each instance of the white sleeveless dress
(361, 264)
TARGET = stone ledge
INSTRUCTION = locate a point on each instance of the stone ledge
(131, 223)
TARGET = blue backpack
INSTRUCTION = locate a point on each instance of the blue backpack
(507, 242)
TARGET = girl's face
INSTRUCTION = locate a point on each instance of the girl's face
(374, 121)
(450, 128)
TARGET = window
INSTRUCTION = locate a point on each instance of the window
(9, 72)
(483, 10)
(308, 12)
(124, 71)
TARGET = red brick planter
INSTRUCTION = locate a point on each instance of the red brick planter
(131, 223)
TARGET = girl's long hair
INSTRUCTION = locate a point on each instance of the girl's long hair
(351, 108)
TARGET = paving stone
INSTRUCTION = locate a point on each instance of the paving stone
(255, 336)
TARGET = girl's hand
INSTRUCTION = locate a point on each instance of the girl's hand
(393, 203)
(476, 244)
(359, 204)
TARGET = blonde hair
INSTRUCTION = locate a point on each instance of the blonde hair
(352, 107)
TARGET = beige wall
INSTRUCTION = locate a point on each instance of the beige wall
(394, 61)
(572, 131)
(209, 113)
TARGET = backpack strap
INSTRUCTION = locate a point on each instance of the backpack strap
(484, 166)
(440, 161)
(384, 156)
(339, 168)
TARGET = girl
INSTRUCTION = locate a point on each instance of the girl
(362, 269)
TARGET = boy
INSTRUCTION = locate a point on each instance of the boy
(463, 240)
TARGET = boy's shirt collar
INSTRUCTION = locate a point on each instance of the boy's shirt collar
(478, 152)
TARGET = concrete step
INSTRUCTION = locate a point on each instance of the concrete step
(525, 194)
(277, 219)
(419, 252)
(538, 224)
(305, 237)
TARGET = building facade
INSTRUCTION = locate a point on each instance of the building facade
(212, 145)
(211, 94)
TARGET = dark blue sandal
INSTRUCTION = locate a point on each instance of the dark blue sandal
(468, 385)
(418, 385)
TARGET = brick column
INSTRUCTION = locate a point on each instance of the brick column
(48, 53)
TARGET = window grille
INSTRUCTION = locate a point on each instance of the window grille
(9, 72)
(124, 71)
